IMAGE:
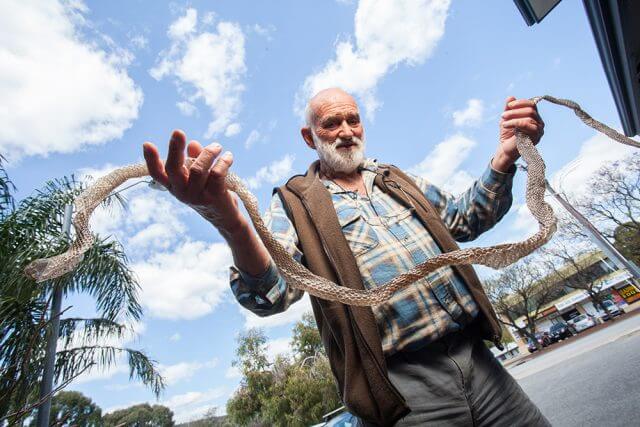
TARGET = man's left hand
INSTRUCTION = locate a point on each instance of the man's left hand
(522, 115)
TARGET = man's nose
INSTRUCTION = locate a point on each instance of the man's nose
(345, 130)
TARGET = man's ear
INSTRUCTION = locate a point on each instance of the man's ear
(308, 137)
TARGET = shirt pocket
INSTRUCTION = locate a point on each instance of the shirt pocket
(359, 234)
(398, 215)
(403, 224)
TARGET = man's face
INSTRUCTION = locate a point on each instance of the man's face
(338, 135)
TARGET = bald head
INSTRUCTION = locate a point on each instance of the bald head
(334, 130)
(327, 97)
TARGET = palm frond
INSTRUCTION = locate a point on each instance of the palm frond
(89, 330)
(69, 362)
(104, 274)
(33, 229)
(7, 203)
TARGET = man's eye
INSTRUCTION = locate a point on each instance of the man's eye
(354, 121)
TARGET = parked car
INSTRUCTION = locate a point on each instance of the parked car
(582, 322)
(338, 418)
(343, 420)
(613, 309)
(544, 339)
(559, 332)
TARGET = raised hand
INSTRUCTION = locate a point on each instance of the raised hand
(201, 184)
(519, 114)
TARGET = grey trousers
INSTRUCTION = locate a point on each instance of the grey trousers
(457, 381)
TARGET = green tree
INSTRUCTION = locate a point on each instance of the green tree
(294, 390)
(521, 291)
(627, 241)
(30, 230)
(72, 408)
(613, 200)
(143, 415)
(245, 407)
(6, 187)
(306, 341)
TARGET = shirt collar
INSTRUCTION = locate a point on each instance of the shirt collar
(369, 169)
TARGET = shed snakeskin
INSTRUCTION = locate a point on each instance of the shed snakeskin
(298, 276)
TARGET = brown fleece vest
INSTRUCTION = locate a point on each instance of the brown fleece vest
(350, 334)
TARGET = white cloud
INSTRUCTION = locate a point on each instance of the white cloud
(139, 41)
(293, 314)
(179, 278)
(150, 219)
(278, 346)
(266, 32)
(272, 173)
(252, 139)
(595, 152)
(184, 370)
(524, 220)
(184, 25)
(459, 182)
(471, 115)
(207, 66)
(524, 224)
(232, 130)
(442, 163)
(193, 404)
(175, 337)
(185, 282)
(186, 108)
(572, 179)
(59, 92)
(387, 33)
(232, 372)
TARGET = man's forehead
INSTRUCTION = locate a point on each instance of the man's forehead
(333, 101)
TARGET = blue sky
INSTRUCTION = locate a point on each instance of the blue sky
(86, 83)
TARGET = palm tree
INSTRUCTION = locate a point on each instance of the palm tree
(32, 229)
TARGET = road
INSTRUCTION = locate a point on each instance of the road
(593, 381)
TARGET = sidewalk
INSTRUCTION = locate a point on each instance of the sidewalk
(530, 356)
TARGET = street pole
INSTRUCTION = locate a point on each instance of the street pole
(612, 253)
(52, 339)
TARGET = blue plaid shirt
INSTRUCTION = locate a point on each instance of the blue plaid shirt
(387, 239)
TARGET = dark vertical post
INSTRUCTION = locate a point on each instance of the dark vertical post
(52, 339)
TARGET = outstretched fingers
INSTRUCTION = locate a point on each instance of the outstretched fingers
(194, 149)
(199, 170)
(174, 166)
(154, 164)
(218, 173)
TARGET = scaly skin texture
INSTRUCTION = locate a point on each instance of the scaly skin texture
(297, 275)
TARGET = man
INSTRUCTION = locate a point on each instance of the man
(419, 358)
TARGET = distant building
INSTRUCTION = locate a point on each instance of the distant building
(618, 286)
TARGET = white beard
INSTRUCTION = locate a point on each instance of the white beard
(338, 160)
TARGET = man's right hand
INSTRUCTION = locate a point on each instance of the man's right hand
(200, 186)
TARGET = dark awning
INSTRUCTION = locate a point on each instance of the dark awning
(615, 25)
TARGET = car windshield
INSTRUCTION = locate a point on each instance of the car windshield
(608, 303)
(557, 327)
(579, 318)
